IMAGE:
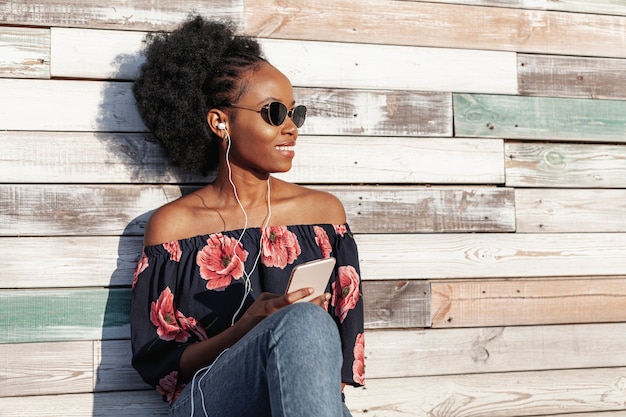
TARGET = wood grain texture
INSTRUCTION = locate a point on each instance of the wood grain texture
(612, 7)
(517, 117)
(87, 157)
(69, 261)
(121, 404)
(68, 105)
(538, 164)
(439, 25)
(494, 255)
(104, 313)
(564, 210)
(106, 54)
(454, 351)
(65, 314)
(102, 106)
(478, 303)
(79, 210)
(494, 395)
(24, 52)
(46, 368)
(559, 76)
(411, 209)
(42, 369)
(77, 157)
(117, 14)
(399, 304)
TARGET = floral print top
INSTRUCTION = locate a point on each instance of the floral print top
(189, 290)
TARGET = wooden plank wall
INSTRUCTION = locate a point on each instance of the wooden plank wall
(479, 148)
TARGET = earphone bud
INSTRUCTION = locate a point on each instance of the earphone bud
(221, 126)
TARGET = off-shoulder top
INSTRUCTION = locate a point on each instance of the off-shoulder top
(189, 290)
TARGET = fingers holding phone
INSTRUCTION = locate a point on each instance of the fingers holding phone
(311, 275)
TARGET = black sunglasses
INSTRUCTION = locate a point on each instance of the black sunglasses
(275, 113)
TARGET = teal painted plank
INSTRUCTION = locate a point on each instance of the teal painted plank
(516, 117)
(64, 314)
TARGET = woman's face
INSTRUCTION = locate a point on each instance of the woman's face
(257, 145)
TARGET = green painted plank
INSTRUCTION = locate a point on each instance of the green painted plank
(64, 314)
(516, 117)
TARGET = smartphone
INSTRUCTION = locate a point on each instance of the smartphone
(314, 274)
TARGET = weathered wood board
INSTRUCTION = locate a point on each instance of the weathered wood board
(117, 14)
(100, 313)
(440, 25)
(561, 165)
(540, 210)
(131, 158)
(612, 7)
(478, 303)
(106, 54)
(83, 210)
(101, 106)
(546, 118)
(67, 368)
(68, 261)
(24, 52)
(559, 76)
(494, 395)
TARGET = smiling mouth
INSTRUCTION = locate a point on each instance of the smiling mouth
(286, 148)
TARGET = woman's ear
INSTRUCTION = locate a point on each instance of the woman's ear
(217, 121)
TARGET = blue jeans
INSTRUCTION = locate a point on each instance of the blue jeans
(288, 365)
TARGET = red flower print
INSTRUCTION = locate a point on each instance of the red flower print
(340, 229)
(280, 246)
(346, 291)
(168, 386)
(173, 248)
(321, 238)
(358, 366)
(141, 266)
(221, 261)
(171, 324)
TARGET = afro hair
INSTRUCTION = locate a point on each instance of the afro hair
(186, 73)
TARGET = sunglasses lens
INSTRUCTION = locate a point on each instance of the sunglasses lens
(298, 114)
(276, 113)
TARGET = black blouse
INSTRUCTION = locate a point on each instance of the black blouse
(188, 290)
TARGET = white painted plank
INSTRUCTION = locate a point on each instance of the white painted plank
(107, 54)
(409, 353)
(99, 54)
(119, 404)
(410, 160)
(64, 367)
(68, 261)
(562, 210)
(24, 52)
(493, 395)
(440, 256)
(71, 210)
(46, 368)
(612, 7)
(64, 105)
(72, 105)
(87, 157)
(119, 14)
(545, 164)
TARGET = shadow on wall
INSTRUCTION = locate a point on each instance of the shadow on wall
(140, 180)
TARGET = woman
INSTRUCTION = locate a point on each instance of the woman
(212, 327)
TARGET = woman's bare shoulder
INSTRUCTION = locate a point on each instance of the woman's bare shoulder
(313, 206)
(165, 223)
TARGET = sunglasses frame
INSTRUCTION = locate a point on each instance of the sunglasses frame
(265, 111)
